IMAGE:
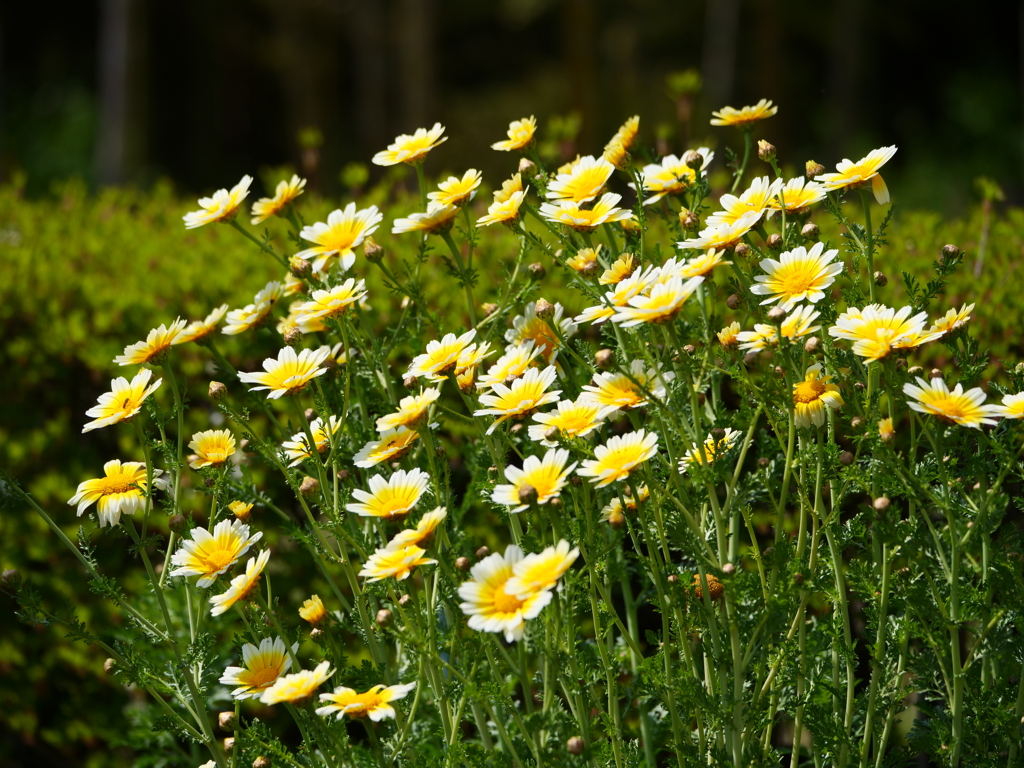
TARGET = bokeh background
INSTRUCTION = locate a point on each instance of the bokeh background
(116, 114)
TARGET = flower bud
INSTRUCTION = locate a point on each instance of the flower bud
(229, 743)
(591, 268)
(777, 314)
(404, 600)
(261, 762)
(775, 241)
(488, 308)
(462, 563)
(241, 510)
(798, 578)
(527, 167)
(11, 579)
(880, 504)
(309, 486)
(916, 370)
(689, 220)
(528, 494)
(575, 745)
(244, 445)
(372, 251)
(742, 250)
(575, 481)
(544, 309)
(292, 336)
(604, 358)
(483, 552)
(728, 569)
(856, 422)
(733, 302)
(950, 251)
(344, 475)
(812, 169)
(810, 231)
(765, 151)
(846, 458)
(316, 634)
(935, 373)
(217, 391)
(763, 462)
(537, 271)
(886, 431)
(226, 720)
(881, 280)
(178, 524)
(410, 382)
(673, 578)
(300, 267)
(812, 346)
(693, 160)
(383, 618)
(109, 665)
(689, 349)
(551, 433)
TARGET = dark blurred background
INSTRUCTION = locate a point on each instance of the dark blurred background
(202, 91)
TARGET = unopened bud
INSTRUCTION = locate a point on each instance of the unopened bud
(846, 458)
(575, 745)
(372, 251)
(440, 451)
(693, 160)
(763, 462)
(528, 494)
(728, 569)
(765, 151)
(551, 433)
(404, 600)
(544, 309)
(880, 504)
(527, 167)
(109, 665)
(217, 390)
(483, 552)
(261, 762)
(300, 267)
(405, 303)
(915, 370)
(462, 563)
(292, 336)
(309, 486)
(689, 220)
(488, 308)
(777, 314)
(226, 720)
(536, 271)
(689, 349)
(591, 268)
(383, 618)
(810, 231)
(780, 371)
(775, 241)
(575, 481)
(11, 579)
(344, 475)
(316, 634)
(742, 250)
(935, 373)
(410, 382)
(244, 445)
(229, 743)
(881, 280)
(673, 578)
(604, 358)
(812, 346)
(733, 302)
(812, 169)
(178, 524)
(856, 422)
(950, 251)
(798, 578)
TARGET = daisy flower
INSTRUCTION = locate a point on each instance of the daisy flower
(211, 448)
(240, 510)
(297, 687)
(755, 199)
(123, 401)
(528, 326)
(701, 266)
(1013, 406)
(615, 153)
(712, 450)
(391, 445)
(745, 117)
(570, 420)
(571, 215)
(798, 194)
(209, 555)
(413, 149)
(394, 563)
(374, 703)
(503, 211)
(242, 585)
(200, 329)
(617, 391)
(154, 349)
(618, 457)
(438, 219)
(796, 325)
(812, 395)
(886, 430)
(798, 275)
(866, 169)
(660, 305)
(250, 316)
(456, 191)
(967, 409)
(313, 611)
(672, 176)
(953, 319)
(525, 395)
(329, 304)
(344, 231)
(543, 478)
(516, 361)
(289, 373)
(297, 449)
(728, 337)
(585, 261)
(624, 291)
(877, 329)
(440, 357)
(621, 268)
(286, 191)
(520, 134)
(489, 607)
(725, 235)
(583, 182)
(508, 188)
(220, 206)
(613, 514)
(390, 499)
(423, 534)
(541, 571)
(120, 491)
(262, 666)
(412, 411)
(626, 134)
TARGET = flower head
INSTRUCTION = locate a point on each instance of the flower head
(953, 319)
(297, 449)
(728, 337)
(251, 315)
(613, 513)
(698, 266)
(123, 401)
(390, 499)
(503, 211)
(812, 395)
(200, 329)
(619, 391)
(413, 149)
(570, 420)
(154, 349)
(528, 326)
(241, 510)
(263, 665)
(328, 304)
(289, 373)
(298, 686)
(423, 534)
(1013, 406)
(220, 206)
(208, 555)
(456, 191)
(619, 456)
(520, 134)
(743, 118)
(440, 357)
(374, 703)
(757, 198)
(211, 448)
(542, 478)
(672, 175)
(798, 275)
(242, 585)
(526, 394)
(886, 430)
(344, 231)
(570, 213)
(877, 330)
(660, 305)
(623, 267)
(583, 182)
(584, 261)
(286, 191)
(394, 563)
(626, 135)
(798, 194)
(724, 235)
(866, 169)
(489, 607)
(391, 445)
(710, 452)
(412, 411)
(120, 490)
(968, 409)
(541, 571)
(516, 361)
(313, 611)
(796, 325)
(625, 290)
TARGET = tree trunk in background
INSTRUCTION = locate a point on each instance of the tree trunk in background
(845, 74)
(415, 39)
(718, 62)
(112, 128)
(369, 56)
(580, 45)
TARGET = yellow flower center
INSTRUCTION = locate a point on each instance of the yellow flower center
(505, 603)
(794, 279)
(951, 407)
(217, 559)
(364, 703)
(117, 484)
(808, 391)
(543, 337)
(258, 679)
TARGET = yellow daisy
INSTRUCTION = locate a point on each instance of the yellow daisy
(394, 563)
(812, 395)
(374, 703)
(329, 304)
(571, 215)
(242, 585)
(849, 173)
(725, 235)
(543, 479)
(423, 534)
(240, 510)
(200, 329)
(712, 450)
(520, 134)
(123, 401)
(456, 191)
(438, 218)
(344, 231)
(1013, 406)
(621, 268)
(508, 188)
(877, 329)
(541, 571)
(618, 457)
(968, 409)
(516, 361)
(745, 117)
(613, 513)
(391, 445)
(208, 555)
(953, 319)
(440, 356)
(313, 610)
(293, 286)
(289, 373)
(570, 420)
(412, 411)
(220, 206)
(626, 134)
(618, 391)
(413, 149)
(672, 176)
(528, 326)
(263, 665)
(701, 266)
(585, 261)
(489, 607)
(154, 349)
(798, 194)
(728, 337)
(625, 290)
(211, 448)
(796, 325)
(121, 490)
(524, 396)
(660, 305)
(798, 275)
(297, 687)
(286, 191)
(616, 154)
(390, 499)
(886, 430)
(503, 211)
(250, 316)
(757, 198)
(297, 449)
(583, 183)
